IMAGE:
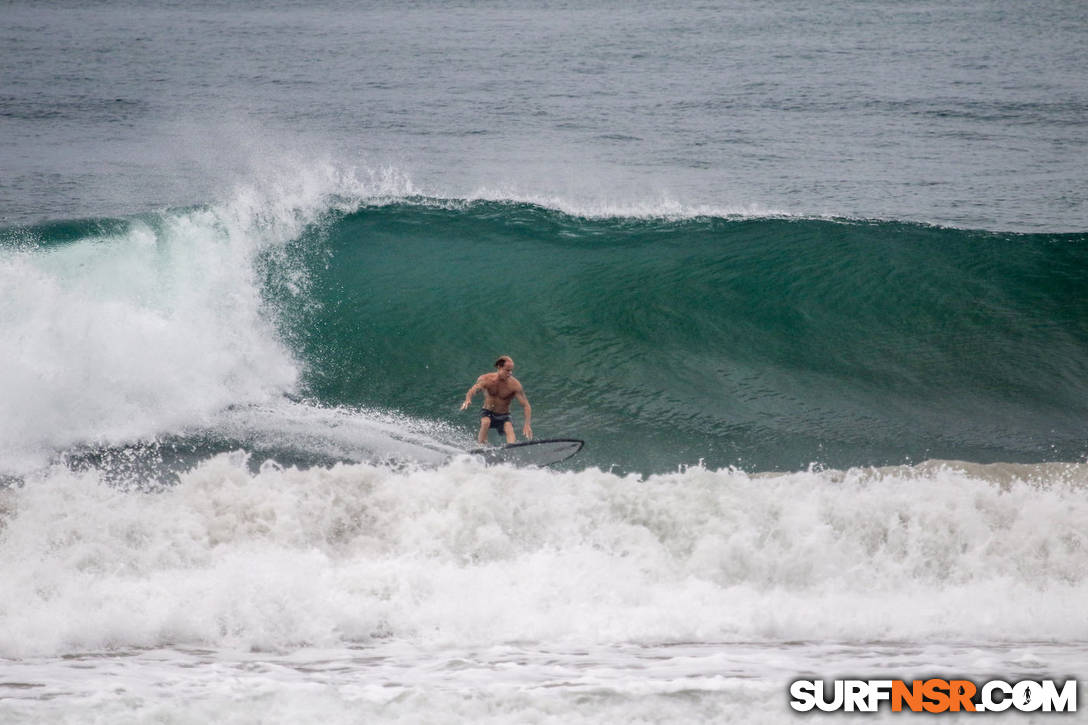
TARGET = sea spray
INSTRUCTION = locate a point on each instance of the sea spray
(125, 330)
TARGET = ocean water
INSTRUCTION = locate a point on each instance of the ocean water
(808, 278)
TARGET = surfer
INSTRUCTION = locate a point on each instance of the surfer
(499, 389)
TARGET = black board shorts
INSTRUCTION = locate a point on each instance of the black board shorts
(498, 420)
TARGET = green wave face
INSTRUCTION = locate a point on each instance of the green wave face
(764, 343)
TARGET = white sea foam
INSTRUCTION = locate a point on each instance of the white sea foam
(131, 334)
(393, 681)
(463, 555)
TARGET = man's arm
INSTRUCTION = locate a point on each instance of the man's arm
(527, 430)
(472, 391)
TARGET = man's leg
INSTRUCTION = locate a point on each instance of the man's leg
(508, 430)
(485, 425)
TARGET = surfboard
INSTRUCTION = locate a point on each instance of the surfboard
(532, 453)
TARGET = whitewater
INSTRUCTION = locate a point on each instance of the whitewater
(496, 594)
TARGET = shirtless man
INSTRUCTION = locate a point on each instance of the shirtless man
(499, 389)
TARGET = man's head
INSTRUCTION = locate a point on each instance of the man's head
(505, 366)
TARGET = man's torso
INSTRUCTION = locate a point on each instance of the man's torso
(498, 393)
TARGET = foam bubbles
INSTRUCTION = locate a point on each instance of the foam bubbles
(158, 324)
(464, 555)
(128, 335)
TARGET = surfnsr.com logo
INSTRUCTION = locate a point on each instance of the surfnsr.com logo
(933, 695)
